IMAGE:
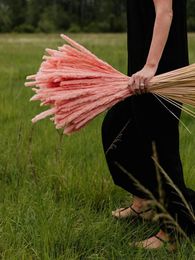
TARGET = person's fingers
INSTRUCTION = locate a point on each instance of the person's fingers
(140, 82)
(131, 84)
(137, 81)
(143, 85)
(137, 89)
(147, 80)
(137, 84)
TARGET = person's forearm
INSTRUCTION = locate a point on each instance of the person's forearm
(164, 14)
(160, 35)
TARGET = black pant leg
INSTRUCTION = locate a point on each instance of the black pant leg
(128, 131)
(123, 145)
(167, 146)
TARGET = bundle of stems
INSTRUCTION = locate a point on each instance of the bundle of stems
(78, 86)
(177, 85)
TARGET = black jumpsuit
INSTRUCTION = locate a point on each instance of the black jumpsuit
(131, 127)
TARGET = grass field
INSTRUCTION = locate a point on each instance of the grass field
(56, 194)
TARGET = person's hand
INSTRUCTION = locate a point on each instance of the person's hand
(139, 81)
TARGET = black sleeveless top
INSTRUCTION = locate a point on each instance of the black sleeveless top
(140, 23)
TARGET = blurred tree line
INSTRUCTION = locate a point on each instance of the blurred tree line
(69, 15)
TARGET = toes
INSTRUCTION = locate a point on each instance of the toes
(117, 211)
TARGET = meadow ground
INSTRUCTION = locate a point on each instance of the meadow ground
(56, 194)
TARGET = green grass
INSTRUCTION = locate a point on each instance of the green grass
(56, 192)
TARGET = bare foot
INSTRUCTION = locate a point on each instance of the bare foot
(123, 213)
(139, 208)
(158, 241)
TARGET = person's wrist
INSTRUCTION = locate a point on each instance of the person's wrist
(151, 65)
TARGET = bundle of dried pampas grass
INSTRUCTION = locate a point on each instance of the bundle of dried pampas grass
(78, 86)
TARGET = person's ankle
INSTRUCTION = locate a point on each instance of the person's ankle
(163, 235)
(139, 203)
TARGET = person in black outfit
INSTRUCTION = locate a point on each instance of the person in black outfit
(157, 43)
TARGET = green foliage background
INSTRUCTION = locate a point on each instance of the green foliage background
(56, 193)
(69, 15)
(55, 15)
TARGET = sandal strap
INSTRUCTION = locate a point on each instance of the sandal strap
(124, 209)
(162, 240)
(140, 212)
(171, 240)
